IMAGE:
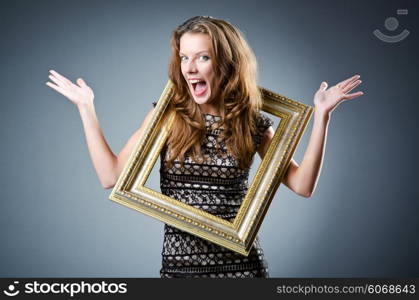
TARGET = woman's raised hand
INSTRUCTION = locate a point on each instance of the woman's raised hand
(79, 93)
(326, 100)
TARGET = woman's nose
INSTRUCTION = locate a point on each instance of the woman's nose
(191, 67)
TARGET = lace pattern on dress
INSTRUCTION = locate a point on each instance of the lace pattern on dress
(217, 186)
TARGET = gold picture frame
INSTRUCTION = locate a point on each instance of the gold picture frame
(239, 235)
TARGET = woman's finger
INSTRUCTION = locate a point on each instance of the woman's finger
(57, 88)
(323, 86)
(352, 96)
(61, 77)
(59, 81)
(351, 86)
(81, 82)
(56, 80)
(345, 82)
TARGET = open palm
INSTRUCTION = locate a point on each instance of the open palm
(79, 93)
(326, 100)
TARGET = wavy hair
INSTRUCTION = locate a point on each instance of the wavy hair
(234, 86)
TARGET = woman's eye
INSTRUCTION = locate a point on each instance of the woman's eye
(182, 58)
(204, 57)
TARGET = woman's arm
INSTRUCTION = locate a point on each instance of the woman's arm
(108, 166)
(302, 179)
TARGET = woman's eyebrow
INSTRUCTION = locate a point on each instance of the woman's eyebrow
(204, 51)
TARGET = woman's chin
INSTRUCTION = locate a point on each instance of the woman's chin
(203, 99)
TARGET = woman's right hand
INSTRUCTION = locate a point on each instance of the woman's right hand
(79, 94)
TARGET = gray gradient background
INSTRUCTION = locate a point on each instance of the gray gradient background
(56, 219)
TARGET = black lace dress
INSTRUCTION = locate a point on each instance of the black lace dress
(217, 187)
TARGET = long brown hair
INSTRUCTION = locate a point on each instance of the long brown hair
(234, 86)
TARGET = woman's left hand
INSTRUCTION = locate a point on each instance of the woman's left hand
(326, 100)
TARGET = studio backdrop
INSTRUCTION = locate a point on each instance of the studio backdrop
(57, 220)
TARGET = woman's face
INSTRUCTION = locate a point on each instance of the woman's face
(196, 65)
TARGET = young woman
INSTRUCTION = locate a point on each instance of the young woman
(217, 130)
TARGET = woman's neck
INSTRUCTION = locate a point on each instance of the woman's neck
(210, 109)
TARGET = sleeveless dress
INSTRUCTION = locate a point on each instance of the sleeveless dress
(217, 186)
